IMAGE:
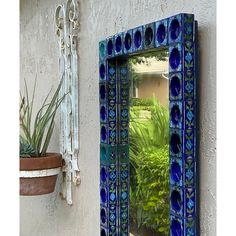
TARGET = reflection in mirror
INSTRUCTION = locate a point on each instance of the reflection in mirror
(149, 144)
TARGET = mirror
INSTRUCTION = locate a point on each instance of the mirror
(149, 144)
(137, 124)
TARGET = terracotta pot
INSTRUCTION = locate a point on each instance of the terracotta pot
(38, 175)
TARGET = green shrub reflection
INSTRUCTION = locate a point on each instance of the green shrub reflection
(149, 167)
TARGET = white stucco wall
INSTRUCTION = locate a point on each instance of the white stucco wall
(50, 216)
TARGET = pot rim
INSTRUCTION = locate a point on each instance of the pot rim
(51, 160)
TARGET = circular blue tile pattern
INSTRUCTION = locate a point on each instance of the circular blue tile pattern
(148, 36)
(102, 71)
(175, 143)
(103, 233)
(175, 114)
(102, 91)
(128, 41)
(103, 195)
(176, 201)
(118, 44)
(109, 47)
(137, 39)
(103, 174)
(103, 133)
(175, 86)
(103, 215)
(103, 113)
(175, 228)
(174, 29)
(174, 58)
(102, 50)
(161, 33)
(175, 171)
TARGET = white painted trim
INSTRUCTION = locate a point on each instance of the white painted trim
(39, 173)
(68, 26)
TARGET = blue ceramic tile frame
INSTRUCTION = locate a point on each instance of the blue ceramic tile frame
(179, 34)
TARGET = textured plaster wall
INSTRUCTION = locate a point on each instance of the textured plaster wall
(49, 215)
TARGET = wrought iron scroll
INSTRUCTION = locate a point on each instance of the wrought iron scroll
(67, 23)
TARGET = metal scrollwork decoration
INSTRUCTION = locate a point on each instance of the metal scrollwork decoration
(67, 23)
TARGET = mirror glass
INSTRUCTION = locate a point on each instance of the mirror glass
(149, 144)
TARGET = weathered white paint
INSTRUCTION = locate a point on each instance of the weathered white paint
(67, 24)
(50, 216)
(39, 173)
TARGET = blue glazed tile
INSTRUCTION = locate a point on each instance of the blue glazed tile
(189, 202)
(118, 44)
(103, 113)
(123, 132)
(123, 73)
(104, 232)
(124, 173)
(103, 216)
(102, 92)
(112, 197)
(189, 85)
(176, 226)
(124, 219)
(124, 95)
(189, 55)
(188, 27)
(112, 97)
(102, 49)
(124, 192)
(176, 142)
(113, 220)
(182, 87)
(176, 171)
(149, 36)
(123, 153)
(103, 175)
(189, 171)
(104, 158)
(112, 138)
(108, 154)
(111, 113)
(123, 113)
(103, 195)
(112, 178)
(111, 71)
(102, 70)
(110, 47)
(161, 33)
(176, 114)
(190, 227)
(189, 114)
(138, 39)
(189, 143)
(176, 86)
(103, 133)
(181, 28)
(175, 58)
(128, 42)
(124, 229)
(176, 201)
(175, 28)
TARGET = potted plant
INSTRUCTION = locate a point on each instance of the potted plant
(38, 168)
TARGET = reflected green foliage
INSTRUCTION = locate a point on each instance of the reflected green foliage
(135, 102)
(35, 134)
(149, 159)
